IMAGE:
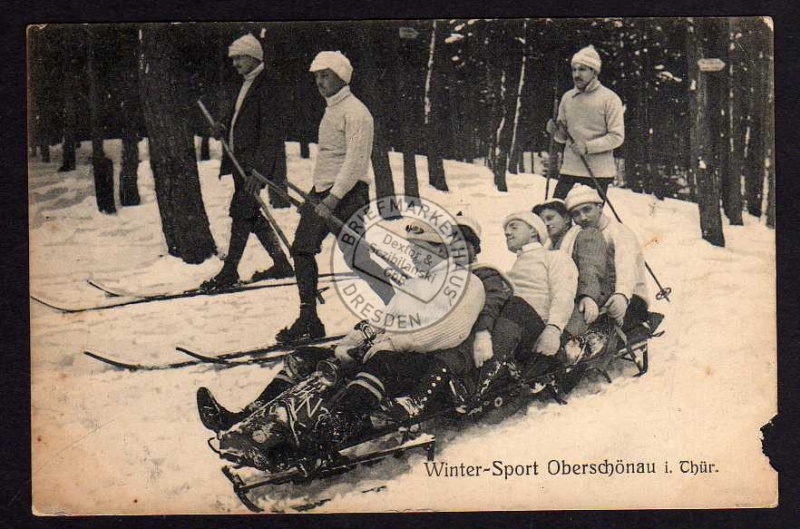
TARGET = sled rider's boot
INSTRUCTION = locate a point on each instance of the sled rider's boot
(228, 276)
(269, 239)
(297, 367)
(213, 415)
(307, 327)
(411, 406)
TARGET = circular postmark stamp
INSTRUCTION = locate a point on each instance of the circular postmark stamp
(402, 263)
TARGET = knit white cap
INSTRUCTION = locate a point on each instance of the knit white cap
(469, 222)
(581, 194)
(588, 56)
(247, 45)
(334, 60)
(532, 220)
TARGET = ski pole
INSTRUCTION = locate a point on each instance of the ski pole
(663, 293)
(242, 173)
(270, 219)
(335, 221)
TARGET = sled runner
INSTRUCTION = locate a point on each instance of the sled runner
(279, 442)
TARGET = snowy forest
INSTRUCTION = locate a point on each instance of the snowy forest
(128, 215)
(466, 90)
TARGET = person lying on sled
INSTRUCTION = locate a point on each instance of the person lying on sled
(528, 331)
(458, 360)
(589, 254)
(624, 282)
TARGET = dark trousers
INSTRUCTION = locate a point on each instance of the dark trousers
(565, 183)
(516, 330)
(313, 229)
(388, 374)
(240, 232)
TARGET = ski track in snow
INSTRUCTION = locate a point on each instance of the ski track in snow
(137, 437)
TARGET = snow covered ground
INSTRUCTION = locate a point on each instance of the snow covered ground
(107, 441)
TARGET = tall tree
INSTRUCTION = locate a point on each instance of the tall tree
(435, 97)
(512, 71)
(407, 72)
(72, 49)
(102, 166)
(702, 163)
(373, 48)
(124, 89)
(732, 178)
(172, 153)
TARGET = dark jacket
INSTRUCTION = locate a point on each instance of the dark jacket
(258, 141)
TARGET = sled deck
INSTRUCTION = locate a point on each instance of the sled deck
(246, 479)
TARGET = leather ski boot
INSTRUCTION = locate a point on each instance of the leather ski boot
(213, 415)
(307, 327)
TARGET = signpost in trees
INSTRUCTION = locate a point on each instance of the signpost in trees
(703, 109)
(408, 97)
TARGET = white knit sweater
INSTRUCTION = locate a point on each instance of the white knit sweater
(445, 321)
(345, 144)
(547, 281)
(594, 116)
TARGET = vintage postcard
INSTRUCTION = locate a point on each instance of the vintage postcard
(402, 266)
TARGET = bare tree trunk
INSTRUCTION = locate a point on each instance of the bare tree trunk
(513, 167)
(172, 154)
(71, 47)
(434, 100)
(732, 183)
(408, 123)
(128, 90)
(702, 148)
(372, 48)
(102, 166)
(128, 176)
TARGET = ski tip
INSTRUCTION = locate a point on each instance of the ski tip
(111, 361)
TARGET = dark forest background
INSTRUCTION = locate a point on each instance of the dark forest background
(468, 90)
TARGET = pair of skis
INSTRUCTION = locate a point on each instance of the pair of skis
(258, 355)
(119, 298)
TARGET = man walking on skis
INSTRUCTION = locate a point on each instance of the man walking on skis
(341, 183)
(255, 134)
(591, 123)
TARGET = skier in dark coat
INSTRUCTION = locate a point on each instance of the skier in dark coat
(255, 133)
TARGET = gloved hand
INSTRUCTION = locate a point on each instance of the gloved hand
(554, 127)
(217, 130)
(325, 208)
(549, 341)
(589, 309)
(482, 348)
(579, 147)
(252, 184)
(616, 306)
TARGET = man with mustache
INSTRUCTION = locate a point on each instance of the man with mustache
(591, 123)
